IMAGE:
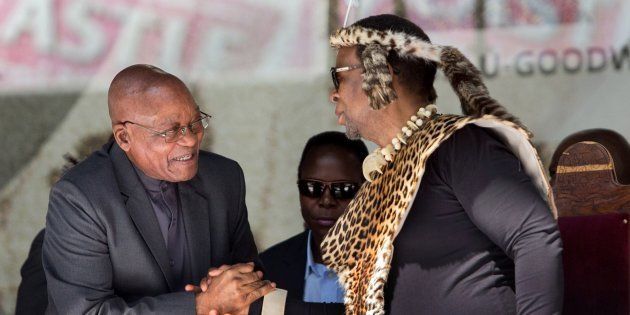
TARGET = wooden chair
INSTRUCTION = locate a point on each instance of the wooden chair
(594, 209)
(615, 143)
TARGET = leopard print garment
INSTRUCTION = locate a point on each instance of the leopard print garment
(359, 246)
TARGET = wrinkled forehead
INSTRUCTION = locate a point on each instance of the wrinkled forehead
(168, 90)
(161, 102)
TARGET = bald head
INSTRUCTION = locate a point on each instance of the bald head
(146, 104)
(131, 85)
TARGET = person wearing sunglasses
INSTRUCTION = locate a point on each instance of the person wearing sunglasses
(329, 175)
(136, 224)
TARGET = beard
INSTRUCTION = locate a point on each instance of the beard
(352, 130)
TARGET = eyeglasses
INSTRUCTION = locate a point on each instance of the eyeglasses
(339, 190)
(334, 71)
(174, 134)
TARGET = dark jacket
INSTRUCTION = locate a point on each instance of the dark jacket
(104, 252)
(32, 297)
(285, 263)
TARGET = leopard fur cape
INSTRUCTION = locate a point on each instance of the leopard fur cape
(359, 247)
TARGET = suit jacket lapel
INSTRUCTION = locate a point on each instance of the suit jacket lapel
(141, 212)
(195, 209)
(296, 265)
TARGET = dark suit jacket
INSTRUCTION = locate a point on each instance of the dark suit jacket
(104, 253)
(285, 263)
(32, 297)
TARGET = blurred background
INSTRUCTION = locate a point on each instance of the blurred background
(261, 69)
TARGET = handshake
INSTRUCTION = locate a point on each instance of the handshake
(230, 290)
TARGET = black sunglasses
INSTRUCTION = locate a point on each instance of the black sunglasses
(334, 71)
(339, 190)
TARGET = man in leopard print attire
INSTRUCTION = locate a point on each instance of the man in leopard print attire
(457, 216)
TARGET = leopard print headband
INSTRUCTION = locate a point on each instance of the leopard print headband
(463, 76)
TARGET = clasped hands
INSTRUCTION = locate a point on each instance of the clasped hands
(229, 290)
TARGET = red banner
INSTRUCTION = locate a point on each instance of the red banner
(48, 43)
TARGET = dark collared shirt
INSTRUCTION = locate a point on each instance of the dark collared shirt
(167, 208)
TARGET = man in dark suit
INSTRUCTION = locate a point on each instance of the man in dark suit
(32, 297)
(147, 214)
(329, 174)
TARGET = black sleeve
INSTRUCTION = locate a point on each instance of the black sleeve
(298, 307)
(503, 203)
(78, 267)
(32, 297)
(242, 240)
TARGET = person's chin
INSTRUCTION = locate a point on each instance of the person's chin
(183, 173)
(352, 133)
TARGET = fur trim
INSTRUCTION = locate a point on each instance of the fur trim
(463, 76)
(377, 81)
(403, 44)
(473, 95)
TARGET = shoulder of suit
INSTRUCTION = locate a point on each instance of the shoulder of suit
(280, 250)
(96, 165)
(212, 162)
(211, 157)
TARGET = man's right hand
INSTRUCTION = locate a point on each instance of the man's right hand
(231, 290)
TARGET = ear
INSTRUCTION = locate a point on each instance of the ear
(394, 72)
(122, 136)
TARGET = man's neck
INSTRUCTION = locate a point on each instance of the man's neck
(394, 117)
